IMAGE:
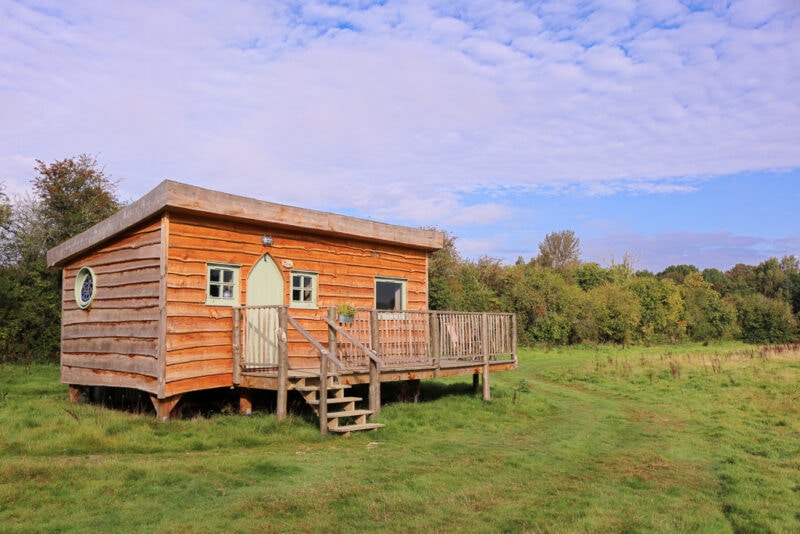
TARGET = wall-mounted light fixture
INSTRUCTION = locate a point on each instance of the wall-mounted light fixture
(267, 240)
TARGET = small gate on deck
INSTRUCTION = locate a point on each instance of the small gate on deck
(261, 336)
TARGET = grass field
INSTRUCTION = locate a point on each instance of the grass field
(588, 439)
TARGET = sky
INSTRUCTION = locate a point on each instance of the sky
(667, 131)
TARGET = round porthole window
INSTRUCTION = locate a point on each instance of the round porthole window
(85, 287)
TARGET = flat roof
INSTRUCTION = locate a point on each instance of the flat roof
(183, 198)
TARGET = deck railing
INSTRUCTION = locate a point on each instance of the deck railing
(398, 339)
(429, 338)
(373, 342)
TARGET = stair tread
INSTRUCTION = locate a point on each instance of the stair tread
(355, 428)
(308, 389)
(349, 413)
(335, 400)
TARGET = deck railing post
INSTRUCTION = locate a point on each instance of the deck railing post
(374, 371)
(485, 335)
(283, 362)
(436, 349)
(323, 374)
(514, 337)
(237, 346)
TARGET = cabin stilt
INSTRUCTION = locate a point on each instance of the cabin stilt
(245, 401)
(165, 406)
(75, 393)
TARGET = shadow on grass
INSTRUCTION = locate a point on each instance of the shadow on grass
(225, 401)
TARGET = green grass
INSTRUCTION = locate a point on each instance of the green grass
(587, 439)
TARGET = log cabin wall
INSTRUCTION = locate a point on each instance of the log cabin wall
(198, 336)
(115, 340)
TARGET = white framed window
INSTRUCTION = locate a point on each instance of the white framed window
(304, 289)
(390, 293)
(222, 287)
(85, 287)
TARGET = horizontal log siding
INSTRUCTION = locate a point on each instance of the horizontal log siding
(199, 351)
(115, 341)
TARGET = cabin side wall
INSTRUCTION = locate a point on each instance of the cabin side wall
(199, 336)
(114, 342)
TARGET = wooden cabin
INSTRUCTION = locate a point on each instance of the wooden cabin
(189, 289)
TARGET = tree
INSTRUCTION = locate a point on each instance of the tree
(74, 195)
(616, 313)
(5, 207)
(590, 275)
(661, 309)
(443, 266)
(718, 280)
(559, 250)
(765, 320)
(70, 196)
(708, 317)
(547, 307)
(678, 272)
(741, 278)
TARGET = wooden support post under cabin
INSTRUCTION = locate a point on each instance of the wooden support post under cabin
(283, 364)
(165, 406)
(245, 401)
(487, 395)
(75, 393)
(476, 382)
(413, 389)
(374, 372)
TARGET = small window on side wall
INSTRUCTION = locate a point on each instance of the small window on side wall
(304, 290)
(85, 287)
(390, 294)
(222, 285)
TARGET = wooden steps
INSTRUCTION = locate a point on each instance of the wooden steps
(347, 418)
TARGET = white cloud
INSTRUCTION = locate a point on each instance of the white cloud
(720, 250)
(402, 109)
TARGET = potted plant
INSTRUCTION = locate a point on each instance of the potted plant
(347, 312)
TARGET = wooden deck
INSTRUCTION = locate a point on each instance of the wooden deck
(273, 351)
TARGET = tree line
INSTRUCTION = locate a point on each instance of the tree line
(558, 299)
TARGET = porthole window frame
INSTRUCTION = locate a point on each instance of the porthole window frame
(85, 273)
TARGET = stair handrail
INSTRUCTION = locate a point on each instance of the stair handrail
(317, 345)
(363, 348)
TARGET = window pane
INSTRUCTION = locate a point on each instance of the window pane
(388, 295)
(222, 285)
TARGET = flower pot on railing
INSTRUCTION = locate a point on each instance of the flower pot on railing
(347, 313)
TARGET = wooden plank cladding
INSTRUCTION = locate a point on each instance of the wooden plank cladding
(114, 341)
(346, 269)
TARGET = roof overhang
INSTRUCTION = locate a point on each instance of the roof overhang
(176, 197)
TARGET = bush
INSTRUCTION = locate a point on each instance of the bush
(765, 320)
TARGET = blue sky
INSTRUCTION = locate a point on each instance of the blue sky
(664, 129)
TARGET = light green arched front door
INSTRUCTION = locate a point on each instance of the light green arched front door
(264, 288)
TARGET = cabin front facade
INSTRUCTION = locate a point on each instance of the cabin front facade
(188, 289)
